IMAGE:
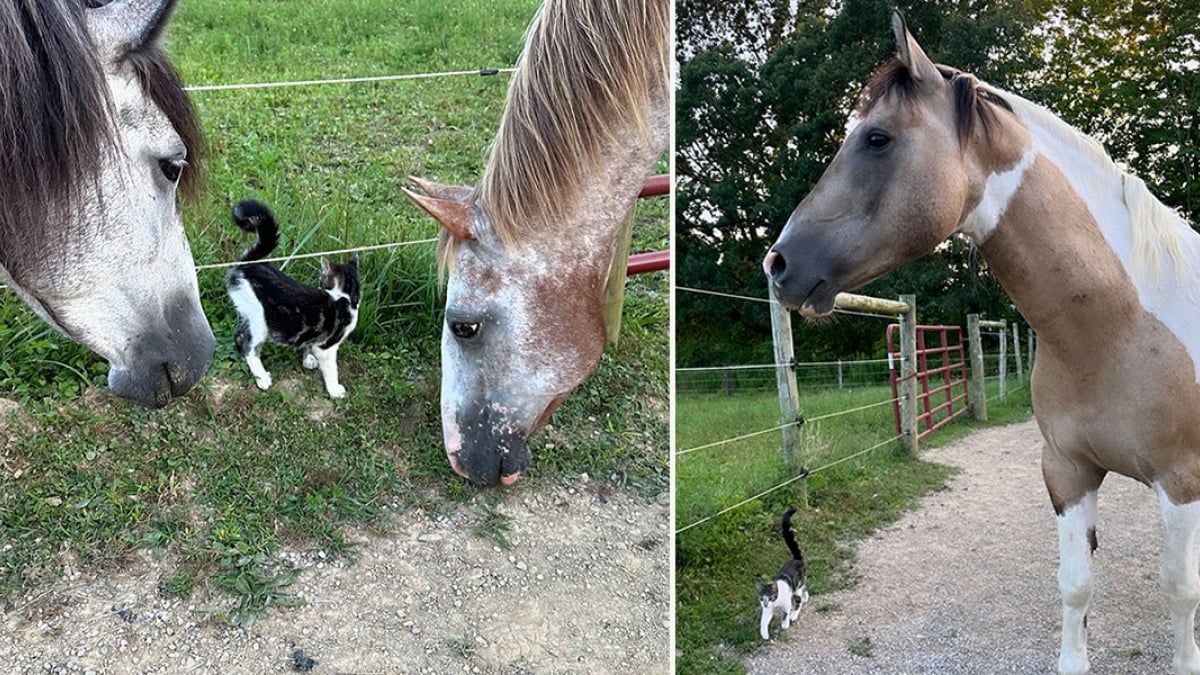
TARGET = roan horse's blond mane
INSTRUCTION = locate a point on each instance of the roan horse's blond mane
(588, 73)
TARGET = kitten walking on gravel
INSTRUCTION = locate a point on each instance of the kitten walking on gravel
(788, 591)
(273, 306)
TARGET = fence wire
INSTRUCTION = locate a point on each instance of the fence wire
(786, 483)
(481, 72)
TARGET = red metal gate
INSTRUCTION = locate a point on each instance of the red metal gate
(949, 367)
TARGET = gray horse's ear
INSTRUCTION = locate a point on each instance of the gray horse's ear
(920, 67)
(456, 193)
(125, 25)
(457, 217)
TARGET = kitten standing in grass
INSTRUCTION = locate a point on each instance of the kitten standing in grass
(788, 591)
(274, 307)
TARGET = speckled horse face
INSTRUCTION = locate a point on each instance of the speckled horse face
(523, 327)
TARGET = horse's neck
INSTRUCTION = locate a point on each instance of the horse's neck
(1053, 259)
(598, 214)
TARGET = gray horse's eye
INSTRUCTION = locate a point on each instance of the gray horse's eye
(877, 140)
(172, 168)
(464, 330)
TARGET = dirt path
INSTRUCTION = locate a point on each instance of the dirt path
(967, 583)
(583, 589)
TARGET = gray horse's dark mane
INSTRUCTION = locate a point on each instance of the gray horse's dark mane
(54, 116)
(973, 106)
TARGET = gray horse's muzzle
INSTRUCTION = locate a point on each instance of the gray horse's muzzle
(803, 273)
(165, 366)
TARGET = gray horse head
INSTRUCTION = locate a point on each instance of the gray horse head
(98, 139)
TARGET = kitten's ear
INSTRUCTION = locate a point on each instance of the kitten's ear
(354, 260)
(326, 268)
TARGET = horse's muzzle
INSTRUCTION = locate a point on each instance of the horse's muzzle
(798, 281)
(165, 368)
(489, 459)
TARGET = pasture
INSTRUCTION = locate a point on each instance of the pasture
(719, 562)
(217, 484)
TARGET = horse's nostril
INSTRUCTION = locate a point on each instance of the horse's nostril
(774, 264)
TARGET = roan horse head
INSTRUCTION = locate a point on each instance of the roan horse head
(900, 184)
(529, 249)
(97, 136)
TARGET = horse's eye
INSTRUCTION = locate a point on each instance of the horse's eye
(464, 330)
(172, 168)
(877, 140)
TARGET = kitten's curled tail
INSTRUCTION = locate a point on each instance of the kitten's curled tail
(254, 216)
(791, 538)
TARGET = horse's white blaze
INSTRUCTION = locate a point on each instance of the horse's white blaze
(998, 192)
(1166, 286)
(1180, 577)
(1075, 581)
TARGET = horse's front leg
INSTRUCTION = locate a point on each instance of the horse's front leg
(1180, 577)
(1076, 541)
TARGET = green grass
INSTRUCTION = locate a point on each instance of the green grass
(719, 561)
(219, 481)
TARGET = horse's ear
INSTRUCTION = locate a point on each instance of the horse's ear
(125, 25)
(920, 67)
(455, 216)
(457, 193)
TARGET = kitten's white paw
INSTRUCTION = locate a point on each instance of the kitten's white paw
(310, 361)
(337, 391)
(786, 623)
(264, 382)
(765, 636)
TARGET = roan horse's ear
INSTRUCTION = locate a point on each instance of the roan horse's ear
(453, 215)
(125, 25)
(457, 193)
(911, 55)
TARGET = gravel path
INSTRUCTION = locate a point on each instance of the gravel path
(584, 589)
(967, 582)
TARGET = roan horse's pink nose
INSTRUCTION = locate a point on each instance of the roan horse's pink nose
(458, 469)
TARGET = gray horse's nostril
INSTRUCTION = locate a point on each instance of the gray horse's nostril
(774, 264)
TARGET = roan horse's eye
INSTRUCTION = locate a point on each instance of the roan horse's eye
(172, 168)
(464, 330)
(877, 140)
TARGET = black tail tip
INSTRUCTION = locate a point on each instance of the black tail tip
(249, 214)
(787, 515)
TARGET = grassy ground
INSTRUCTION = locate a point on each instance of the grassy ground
(719, 562)
(219, 481)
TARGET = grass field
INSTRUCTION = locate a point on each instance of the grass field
(220, 481)
(719, 562)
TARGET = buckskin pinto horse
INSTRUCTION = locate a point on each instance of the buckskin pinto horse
(529, 248)
(95, 138)
(1102, 270)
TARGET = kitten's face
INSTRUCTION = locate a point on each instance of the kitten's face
(767, 593)
(342, 280)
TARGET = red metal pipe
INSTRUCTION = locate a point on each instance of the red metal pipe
(655, 261)
(656, 186)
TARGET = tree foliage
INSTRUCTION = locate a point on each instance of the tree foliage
(765, 87)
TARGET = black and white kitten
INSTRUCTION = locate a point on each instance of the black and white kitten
(274, 307)
(788, 591)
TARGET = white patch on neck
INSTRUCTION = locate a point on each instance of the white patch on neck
(998, 192)
(1173, 299)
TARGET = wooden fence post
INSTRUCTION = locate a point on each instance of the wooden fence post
(789, 396)
(1003, 363)
(977, 386)
(908, 374)
(1029, 353)
(839, 373)
(1017, 351)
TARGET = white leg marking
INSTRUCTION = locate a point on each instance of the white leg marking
(1075, 582)
(310, 360)
(327, 362)
(765, 621)
(998, 191)
(1180, 577)
(250, 309)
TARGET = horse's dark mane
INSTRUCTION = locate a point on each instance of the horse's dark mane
(54, 118)
(973, 106)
